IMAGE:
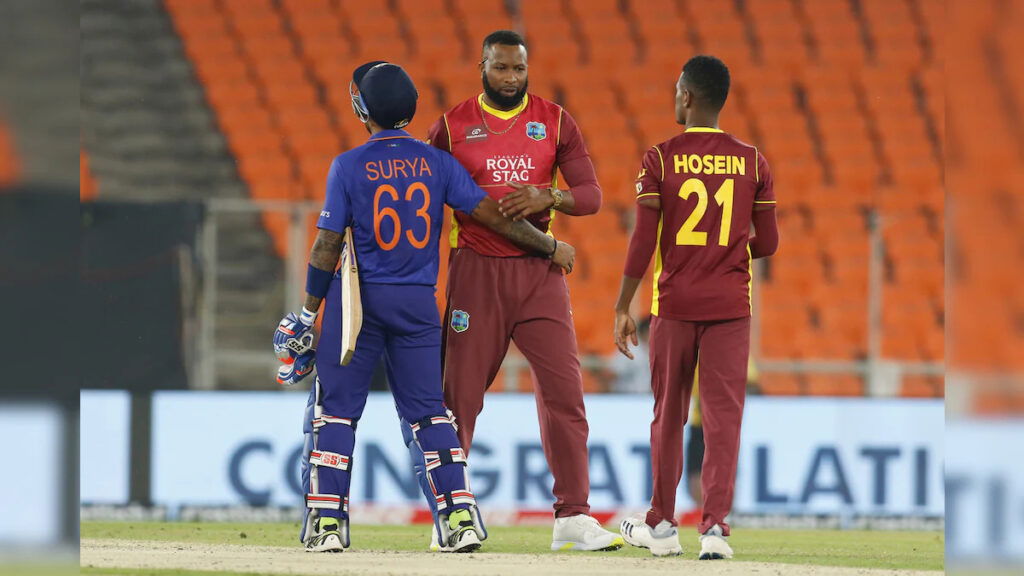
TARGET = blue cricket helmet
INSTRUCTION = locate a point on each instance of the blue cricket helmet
(386, 93)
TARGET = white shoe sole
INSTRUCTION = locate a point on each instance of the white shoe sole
(604, 545)
(469, 542)
(714, 548)
(658, 548)
(330, 543)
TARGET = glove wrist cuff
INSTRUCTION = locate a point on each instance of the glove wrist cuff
(307, 317)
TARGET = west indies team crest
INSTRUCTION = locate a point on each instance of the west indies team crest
(460, 320)
(536, 130)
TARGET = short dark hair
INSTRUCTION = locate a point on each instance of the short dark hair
(708, 78)
(506, 37)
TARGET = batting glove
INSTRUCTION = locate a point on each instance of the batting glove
(293, 345)
(295, 369)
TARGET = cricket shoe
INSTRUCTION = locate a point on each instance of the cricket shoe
(462, 536)
(713, 545)
(662, 540)
(583, 533)
(327, 538)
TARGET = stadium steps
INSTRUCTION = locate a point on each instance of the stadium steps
(38, 49)
(142, 115)
(151, 136)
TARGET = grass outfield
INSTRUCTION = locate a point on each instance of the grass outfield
(860, 549)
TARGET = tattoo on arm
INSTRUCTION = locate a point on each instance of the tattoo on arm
(525, 235)
(325, 254)
(521, 233)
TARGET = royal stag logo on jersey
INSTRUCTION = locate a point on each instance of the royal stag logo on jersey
(460, 320)
(536, 130)
(510, 167)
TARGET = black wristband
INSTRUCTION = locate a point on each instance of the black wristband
(554, 249)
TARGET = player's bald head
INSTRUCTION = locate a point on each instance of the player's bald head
(707, 79)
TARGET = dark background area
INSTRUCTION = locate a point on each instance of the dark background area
(131, 298)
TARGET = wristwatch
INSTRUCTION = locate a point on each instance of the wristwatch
(557, 196)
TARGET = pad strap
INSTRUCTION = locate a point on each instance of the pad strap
(436, 459)
(431, 421)
(325, 501)
(330, 460)
(449, 499)
(322, 420)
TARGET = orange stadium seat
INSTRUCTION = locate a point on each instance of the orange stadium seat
(780, 384)
(87, 188)
(10, 168)
(918, 386)
(837, 40)
(933, 19)
(660, 26)
(551, 37)
(722, 34)
(779, 34)
(834, 385)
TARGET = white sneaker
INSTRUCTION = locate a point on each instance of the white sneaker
(713, 545)
(662, 540)
(328, 539)
(583, 532)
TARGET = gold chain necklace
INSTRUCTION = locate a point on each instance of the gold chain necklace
(483, 117)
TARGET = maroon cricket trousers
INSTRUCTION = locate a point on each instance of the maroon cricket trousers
(723, 348)
(492, 301)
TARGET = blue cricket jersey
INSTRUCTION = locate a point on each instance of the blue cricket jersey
(392, 191)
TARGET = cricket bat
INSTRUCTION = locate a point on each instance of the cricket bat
(351, 303)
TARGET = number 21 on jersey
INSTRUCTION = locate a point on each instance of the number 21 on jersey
(388, 212)
(687, 235)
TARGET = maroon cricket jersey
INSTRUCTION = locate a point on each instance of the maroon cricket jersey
(525, 144)
(709, 183)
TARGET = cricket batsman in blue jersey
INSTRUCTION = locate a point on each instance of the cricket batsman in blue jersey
(391, 192)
